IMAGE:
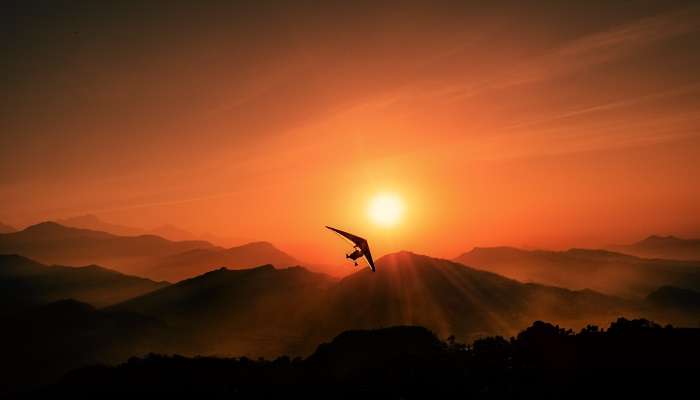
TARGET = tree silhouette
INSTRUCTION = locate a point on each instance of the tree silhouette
(543, 360)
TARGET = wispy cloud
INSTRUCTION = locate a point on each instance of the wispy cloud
(582, 53)
(627, 102)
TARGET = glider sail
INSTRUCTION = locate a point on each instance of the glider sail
(361, 246)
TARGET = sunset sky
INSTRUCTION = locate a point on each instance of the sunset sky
(551, 125)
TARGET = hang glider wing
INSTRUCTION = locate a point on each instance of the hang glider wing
(359, 242)
(368, 257)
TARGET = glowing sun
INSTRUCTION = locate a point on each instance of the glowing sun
(386, 209)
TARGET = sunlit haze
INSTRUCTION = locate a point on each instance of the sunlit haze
(551, 126)
(386, 209)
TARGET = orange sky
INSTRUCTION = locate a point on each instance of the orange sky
(549, 126)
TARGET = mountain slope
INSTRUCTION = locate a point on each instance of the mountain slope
(258, 311)
(676, 299)
(600, 270)
(6, 228)
(450, 298)
(52, 243)
(24, 282)
(669, 247)
(198, 261)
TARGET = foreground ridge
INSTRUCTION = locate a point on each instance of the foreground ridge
(541, 358)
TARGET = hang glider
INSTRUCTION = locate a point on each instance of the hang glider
(360, 245)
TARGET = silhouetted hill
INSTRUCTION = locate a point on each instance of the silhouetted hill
(674, 299)
(542, 361)
(668, 247)
(6, 228)
(450, 298)
(91, 222)
(52, 243)
(600, 270)
(258, 311)
(24, 282)
(366, 355)
(49, 230)
(198, 261)
(40, 344)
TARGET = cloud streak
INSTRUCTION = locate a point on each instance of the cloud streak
(585, 52)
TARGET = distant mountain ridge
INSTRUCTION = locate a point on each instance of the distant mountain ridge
(668, 247)
(52, 243)
(198, 261)
(172, 232)
(167, 231)
(91, 222)
(24, 282)
(600, 270)
(149, 256)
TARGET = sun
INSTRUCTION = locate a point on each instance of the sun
(386, 209)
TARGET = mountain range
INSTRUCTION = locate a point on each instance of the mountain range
(25, 283)
(268, 311)
(265, 311)
(167, 231)
(52, 243)
(91, 222)
(668, 247)
(600, 270)
(257, 311)
(198, 261)
(149, 256)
